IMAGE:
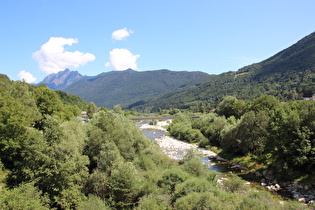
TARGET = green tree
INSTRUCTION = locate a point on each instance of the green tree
(230, 106)
(54, 161)
(124, 185)
(93, 202)
(91, 109)
(202, 200)
(48, 103)
(15, 118)
(24, 197)
(171, 178)
(118, 109)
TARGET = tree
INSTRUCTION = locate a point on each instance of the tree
(171, 178)
(124, 185)
(93, 202)
(118, 109)
(230, 106)
(91, 109)
(24, 197)
(15, 119)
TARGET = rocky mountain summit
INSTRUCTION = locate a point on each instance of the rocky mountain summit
(62, 79)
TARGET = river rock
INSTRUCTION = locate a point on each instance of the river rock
(296, 195)
(265, 173)
(302, 200)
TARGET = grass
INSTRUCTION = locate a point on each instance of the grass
(249, 161)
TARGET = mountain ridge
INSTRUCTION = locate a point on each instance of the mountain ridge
(62, 79)
(288, 75)
(126, 87)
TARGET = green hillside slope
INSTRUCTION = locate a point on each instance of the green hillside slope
(290, 74)
(127, 87)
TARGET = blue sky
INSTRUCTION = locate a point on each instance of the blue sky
(39, 37)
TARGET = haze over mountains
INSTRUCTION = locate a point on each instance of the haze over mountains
(290, 74)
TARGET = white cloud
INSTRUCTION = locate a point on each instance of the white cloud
(52, 57)
(26, 76)
(122, 59)
(121, 34)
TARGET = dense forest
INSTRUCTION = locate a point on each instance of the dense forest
(288, 75)
(50, 159)
(272, 134)
(128, 87)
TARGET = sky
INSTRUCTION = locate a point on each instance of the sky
(40, 37)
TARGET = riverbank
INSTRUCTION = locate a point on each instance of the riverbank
(174, 148)
(160, 126)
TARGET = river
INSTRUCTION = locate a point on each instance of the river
(176, 149)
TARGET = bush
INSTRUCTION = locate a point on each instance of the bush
(192, 185)
(24, 197)
(154, 202)
(200, 201)
(93, 202)
(234, 184)
(170, 178)
(259, 200)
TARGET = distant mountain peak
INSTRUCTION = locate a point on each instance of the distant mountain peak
(62, 79)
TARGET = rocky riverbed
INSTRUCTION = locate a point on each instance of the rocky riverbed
(303, 193)
(174, 148)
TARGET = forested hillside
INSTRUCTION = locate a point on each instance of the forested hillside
(52, 160)
(127, 87)
(273, 134)
(288, 75)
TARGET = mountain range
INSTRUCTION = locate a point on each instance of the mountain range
(62, 79)
(122, 87)
(288, 75)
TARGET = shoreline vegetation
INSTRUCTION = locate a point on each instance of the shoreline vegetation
(170, 146)
(50, 159)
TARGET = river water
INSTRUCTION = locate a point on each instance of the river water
(225, 168)
(156, 134)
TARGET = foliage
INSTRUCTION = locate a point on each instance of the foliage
(91, 109)
(123, 87)
(93, 202)
(259, 201)
(72, 100)
(234, 184)
(54, 160)
(277, 134)
(170, 178)
(181, 128)
(24, 197)
(202, 200)
(288, 75)
(193, 165)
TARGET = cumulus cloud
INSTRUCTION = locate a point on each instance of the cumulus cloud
(52, 57)
(121, 34)
(122, 59)
(26, 76)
